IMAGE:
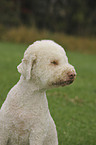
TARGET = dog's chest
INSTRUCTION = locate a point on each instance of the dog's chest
(19, 133)
(26, 122)
(20, 138)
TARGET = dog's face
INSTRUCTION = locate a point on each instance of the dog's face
(46, 63)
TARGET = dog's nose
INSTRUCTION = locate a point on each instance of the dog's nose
(71, 75)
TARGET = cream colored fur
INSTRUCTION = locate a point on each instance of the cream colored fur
(24, 117)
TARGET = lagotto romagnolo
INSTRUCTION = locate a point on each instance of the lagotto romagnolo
(24, 117)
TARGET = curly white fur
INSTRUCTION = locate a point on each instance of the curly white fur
(24, 117)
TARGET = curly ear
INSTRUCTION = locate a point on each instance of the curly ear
(26, 65)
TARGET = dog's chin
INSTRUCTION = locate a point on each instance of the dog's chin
(63, 83)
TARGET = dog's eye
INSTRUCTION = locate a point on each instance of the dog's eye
(55, 62)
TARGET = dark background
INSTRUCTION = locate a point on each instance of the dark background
(69, 16)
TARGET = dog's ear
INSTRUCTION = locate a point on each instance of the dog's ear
(25, 67)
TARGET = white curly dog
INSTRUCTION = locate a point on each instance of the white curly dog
(24, 117)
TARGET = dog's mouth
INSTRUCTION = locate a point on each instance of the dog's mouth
(63, 83)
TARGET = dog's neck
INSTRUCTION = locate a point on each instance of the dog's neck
(31, 85)
(32, 93)
(28, 95)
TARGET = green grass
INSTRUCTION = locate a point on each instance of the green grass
(72, 107)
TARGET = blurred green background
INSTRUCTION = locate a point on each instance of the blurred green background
(72, 24)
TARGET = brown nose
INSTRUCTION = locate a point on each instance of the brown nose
(71, 75)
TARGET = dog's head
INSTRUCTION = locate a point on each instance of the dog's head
(45, 62)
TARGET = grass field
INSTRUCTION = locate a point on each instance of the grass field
(73, 107)
(28, 35)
